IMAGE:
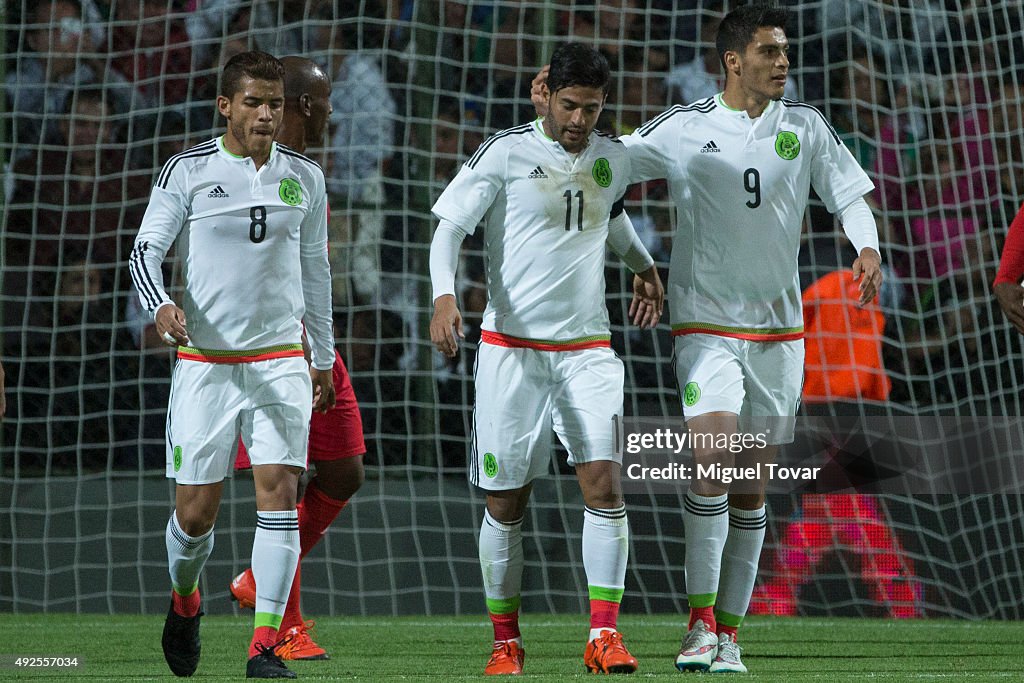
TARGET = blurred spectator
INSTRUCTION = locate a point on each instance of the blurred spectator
(826, 524)
(150, 48)
(637, 97)
(939, 222)
(612, 25)
(361, 145)
(704, 76)
(931, 339)
(63, 58)
(456, 134)
(363, 119)
(76, 190)
(843, 355)
(908, 34)
(74, 381)
(858, 101)
(203, 119)
(279, 27)
(375, 346)
(1008, 136)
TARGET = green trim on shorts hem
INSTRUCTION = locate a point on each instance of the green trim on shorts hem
(702, 599)
(503, 605)
(268, 619)
(727, 619)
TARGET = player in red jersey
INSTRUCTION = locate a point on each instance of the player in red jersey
(336, 444)
(1007, 287)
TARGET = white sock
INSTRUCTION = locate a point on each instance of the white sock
(706, 525)
(186, 555)
(501, 563)
(595, 633)
(739, 564)
(275, 554)
(605, 554)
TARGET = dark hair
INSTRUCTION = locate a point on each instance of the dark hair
(90, 94)
(739, 26)
(576, 64)
(256, 65)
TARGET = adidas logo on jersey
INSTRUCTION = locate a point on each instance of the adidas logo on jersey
(537, 173)
(217, 193)
(710, 147)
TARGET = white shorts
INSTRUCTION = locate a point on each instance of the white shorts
(268, 403)
(522, 394)
(752, 379)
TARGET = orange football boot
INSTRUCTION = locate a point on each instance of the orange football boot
(506, 659)
(298, 644)
(243, 589)
(607, 654)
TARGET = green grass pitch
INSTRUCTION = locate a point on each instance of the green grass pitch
(127, 648)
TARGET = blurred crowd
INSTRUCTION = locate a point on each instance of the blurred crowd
(99, 93)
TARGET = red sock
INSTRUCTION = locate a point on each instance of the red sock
(604, 614)
(705, 613)
(316, 512)
(728, 630)
(263, 635)
(292, 614)
(185, 605)
(506, 626)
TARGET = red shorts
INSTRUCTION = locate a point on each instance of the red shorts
(333, 435)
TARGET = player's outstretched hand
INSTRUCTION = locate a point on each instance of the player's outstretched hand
(1011, 299)
(323, 389)
(445, 325)
(539, 91)
(170, 325)
(648, 299)
(868, 270)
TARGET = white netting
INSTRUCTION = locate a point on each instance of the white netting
(927, 94)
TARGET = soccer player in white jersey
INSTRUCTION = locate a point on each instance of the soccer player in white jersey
(740, 166)
(550, 196)
(251, 222)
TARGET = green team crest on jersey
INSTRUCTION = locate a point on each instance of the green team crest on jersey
(490, 465)
(602, 172)
(177, 458)
(691, 394)
(787, 145)
(290, 192)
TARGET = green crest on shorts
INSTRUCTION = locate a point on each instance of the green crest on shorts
(691, 394)
(602, 172)
(787, 145)
(290, 192)
(490, 465)
(177, 458)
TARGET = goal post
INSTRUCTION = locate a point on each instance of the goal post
(927, 96)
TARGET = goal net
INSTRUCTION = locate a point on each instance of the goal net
(927, 95)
